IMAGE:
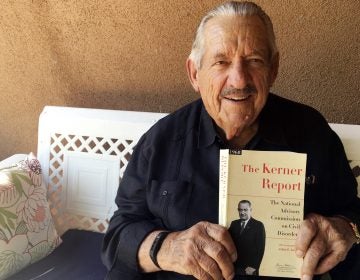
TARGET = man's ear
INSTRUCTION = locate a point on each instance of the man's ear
(274, 68)
(192, 74)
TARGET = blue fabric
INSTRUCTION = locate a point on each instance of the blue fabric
(78, 257)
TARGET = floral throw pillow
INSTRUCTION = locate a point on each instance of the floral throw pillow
(27, 231)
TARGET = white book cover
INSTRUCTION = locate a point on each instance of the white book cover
(270, 186)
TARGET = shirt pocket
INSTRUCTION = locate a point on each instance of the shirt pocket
(317, 196)
(169, 201)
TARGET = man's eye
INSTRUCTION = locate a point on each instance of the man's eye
(255, 61)
(220, 62)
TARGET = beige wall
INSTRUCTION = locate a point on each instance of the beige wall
(130, 55)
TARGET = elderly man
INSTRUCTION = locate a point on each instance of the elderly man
(166, 224)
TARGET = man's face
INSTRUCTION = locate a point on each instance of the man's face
(236, 72)
(244, 211)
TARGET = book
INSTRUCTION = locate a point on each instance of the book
(267, 186)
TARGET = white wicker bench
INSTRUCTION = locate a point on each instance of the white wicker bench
(83, 154)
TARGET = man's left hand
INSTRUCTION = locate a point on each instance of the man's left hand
(323, 242)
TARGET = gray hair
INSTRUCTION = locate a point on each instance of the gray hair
(231, 8)
(244, 201)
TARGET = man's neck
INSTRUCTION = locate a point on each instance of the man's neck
(239, 141)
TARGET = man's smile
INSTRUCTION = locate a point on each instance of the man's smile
(237, 98)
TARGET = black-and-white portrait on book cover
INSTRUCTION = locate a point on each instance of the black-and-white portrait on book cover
(249, 237)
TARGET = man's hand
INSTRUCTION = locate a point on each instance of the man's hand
(323, 242)
(205, 251)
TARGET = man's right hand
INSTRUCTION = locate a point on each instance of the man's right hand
(205, 251)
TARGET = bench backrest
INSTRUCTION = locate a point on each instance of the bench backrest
(83, 153)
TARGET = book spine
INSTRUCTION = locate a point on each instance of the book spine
(223, 186)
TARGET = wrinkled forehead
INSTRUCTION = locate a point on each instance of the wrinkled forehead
(224, 32)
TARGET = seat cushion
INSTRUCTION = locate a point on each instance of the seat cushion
(78, 257)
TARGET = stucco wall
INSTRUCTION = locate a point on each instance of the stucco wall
(130, 55)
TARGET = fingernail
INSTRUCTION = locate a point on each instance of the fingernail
(299, 253)
(306, 277)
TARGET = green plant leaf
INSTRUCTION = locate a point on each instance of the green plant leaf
(21, 228)
(11, 223)
(2, 221)
(55, 243)
(39, 251)
(8, 214)
(17, 183)
(25, 178)
(3, 235)
(11, 262)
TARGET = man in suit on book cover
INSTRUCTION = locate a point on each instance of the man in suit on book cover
(249, 238)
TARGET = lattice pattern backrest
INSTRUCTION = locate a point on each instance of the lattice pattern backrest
(87, 144)
(60, 144)
(84, 152)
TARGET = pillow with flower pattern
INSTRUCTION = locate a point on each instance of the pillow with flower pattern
(27, 231)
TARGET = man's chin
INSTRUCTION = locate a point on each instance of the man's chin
(236, 131)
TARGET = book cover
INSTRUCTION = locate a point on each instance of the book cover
(261, 202)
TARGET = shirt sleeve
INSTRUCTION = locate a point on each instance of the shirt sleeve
(133, 221)
(345, 194)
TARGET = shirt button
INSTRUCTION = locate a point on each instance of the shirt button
(164, 193)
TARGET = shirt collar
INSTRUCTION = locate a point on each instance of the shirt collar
(270, 123)
(207, 131)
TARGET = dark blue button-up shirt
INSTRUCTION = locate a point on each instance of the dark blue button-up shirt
(172, 179)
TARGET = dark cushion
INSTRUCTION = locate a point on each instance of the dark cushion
(78, 257)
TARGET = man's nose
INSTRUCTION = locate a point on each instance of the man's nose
(238, 75)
